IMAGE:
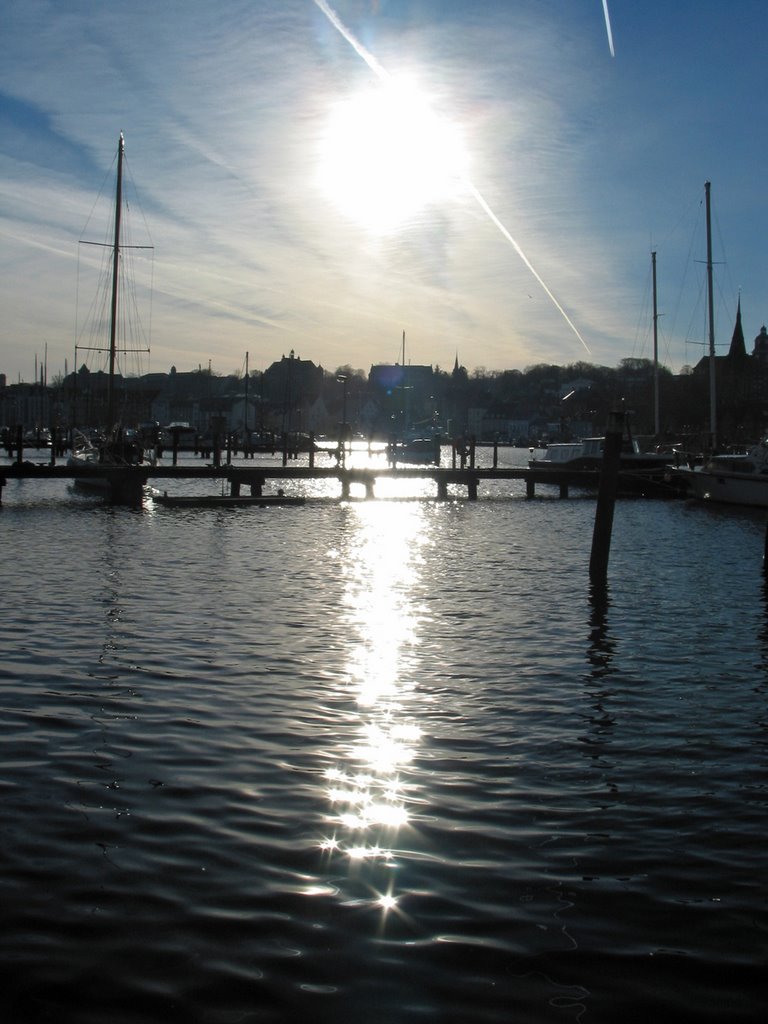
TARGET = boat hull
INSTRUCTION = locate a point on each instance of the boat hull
(419, 452)
(727, 488)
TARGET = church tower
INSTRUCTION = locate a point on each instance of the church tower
(760, 351)
(737, 349)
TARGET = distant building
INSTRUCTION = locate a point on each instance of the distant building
(760, 348)
(292, 386)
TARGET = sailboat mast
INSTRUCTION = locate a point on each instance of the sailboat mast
(656, 426)
(711, 315)
(406, 395)
(245, 418)
(115, 281)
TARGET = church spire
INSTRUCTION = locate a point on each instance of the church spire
(737, 349)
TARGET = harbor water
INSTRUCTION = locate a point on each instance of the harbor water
(382, 761)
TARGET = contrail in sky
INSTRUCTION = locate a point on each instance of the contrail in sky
(358, 47)
(383, 74)
(608, 27)
(486, 208)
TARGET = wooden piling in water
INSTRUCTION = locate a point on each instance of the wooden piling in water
(606, 498)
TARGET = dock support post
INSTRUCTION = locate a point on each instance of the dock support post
(54, 443)
(344, 487)
(496, 453)
(563, 490)
(606, 498)
(285, 449)
(234, 487)
(19, 445)
(312, 450)
(472, 442)
(530, 488)
(442, 488)
(472, 488)
(369, 489)
(216, 451)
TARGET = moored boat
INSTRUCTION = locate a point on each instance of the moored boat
(640, 472)
(102, 460)
(730, 479)
(418, 450)
(117, 451)
(587, 453)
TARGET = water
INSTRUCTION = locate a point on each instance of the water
(390, 761)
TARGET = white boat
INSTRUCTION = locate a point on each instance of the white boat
(640, 473)
(587, 453)
(730, 479)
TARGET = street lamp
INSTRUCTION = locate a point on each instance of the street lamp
(342, 379)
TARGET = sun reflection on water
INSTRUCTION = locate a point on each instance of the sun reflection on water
(372, 790)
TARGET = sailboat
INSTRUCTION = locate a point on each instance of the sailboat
(731, 479)
(417, 442)
(113, 451)
(640, 472)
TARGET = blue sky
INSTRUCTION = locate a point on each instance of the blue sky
(483, 176)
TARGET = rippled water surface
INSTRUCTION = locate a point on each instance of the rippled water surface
(387, 761)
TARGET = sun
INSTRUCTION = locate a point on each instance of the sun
(386, 155)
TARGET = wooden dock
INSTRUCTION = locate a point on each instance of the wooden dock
(126, 483)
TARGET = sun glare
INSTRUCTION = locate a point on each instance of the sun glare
(386, 155)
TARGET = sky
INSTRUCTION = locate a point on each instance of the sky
(488, 177)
